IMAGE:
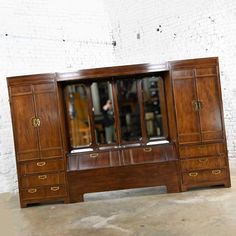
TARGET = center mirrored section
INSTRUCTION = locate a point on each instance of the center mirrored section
(103, 112)
(129, 112)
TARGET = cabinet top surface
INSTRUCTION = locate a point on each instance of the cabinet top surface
(114, 71)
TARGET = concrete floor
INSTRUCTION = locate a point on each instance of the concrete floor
(205, 212)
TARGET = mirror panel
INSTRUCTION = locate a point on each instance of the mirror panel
(78, 115)
(129, 112)
(153, 91)
(103, 112)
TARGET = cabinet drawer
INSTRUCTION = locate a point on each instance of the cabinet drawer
(55, 191)
(83, 161)
(204, 176)
(149, 154)
(203, 163)
(201, 150)
(42, 179)
(44, 192)
(32, 193)
(40, 166)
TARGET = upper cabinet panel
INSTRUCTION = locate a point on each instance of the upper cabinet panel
(209, 110)
(25, 130)
(187, 118)
(197, 98)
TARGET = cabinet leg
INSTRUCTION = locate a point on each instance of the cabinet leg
(227, 184)
(184, 188)
(77, 198)
(173, 188)
(23, 205)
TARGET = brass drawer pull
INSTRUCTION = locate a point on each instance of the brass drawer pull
(147, 149)
(216, 172)
(55, 188)
(42, 163)
(203, 160)
(42, 176)
(193, 174)
(93, 155)
(32, 190)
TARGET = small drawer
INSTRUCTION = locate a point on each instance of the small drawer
(40, 166)
(191, 151)
(149, 154)
(56, 191)
(204, 176)
(32, 193)
(203, 163)
(92, 160)
(42, 180)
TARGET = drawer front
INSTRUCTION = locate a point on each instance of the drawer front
(93, 160)
(44, 192)
(32, 193)
(42, 179)
(203, 163)
(56, 191)
(40, 166)
(198, 177)
(201, 150)
(149, 154)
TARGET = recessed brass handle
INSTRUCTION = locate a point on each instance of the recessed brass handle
(203, 160)
(216, 172)
(55, 188)
(32, 190)
(41, 163)
(195, 105)
(147, 149)
(38, 121)
(42, 177)
(193, 174)
(200, 104)
(34, 121)
(93, 155)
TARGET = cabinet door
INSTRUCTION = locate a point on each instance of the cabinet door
(23, 112)
(185, 106)
(49, 129)
(209, 98)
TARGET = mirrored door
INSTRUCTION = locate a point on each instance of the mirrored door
(154, 107)
(77, 107)
(103, 108)
(128, 108)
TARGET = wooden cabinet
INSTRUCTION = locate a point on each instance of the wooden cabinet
(38, 141)
(119, 127)
(199, 119)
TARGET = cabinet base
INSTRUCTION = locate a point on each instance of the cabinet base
(124, 177)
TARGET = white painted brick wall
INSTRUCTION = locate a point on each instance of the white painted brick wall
(38, 36)
(179, 29)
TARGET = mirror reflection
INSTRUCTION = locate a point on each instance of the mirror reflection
(129, 112)
(77, 115)
(152, 88)
(103, 112)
